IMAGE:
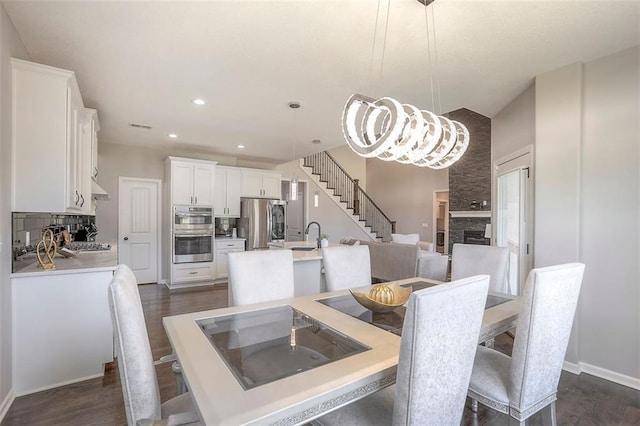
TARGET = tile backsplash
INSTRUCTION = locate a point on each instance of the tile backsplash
(34, 223)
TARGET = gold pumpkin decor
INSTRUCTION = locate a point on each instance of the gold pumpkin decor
(383, 297)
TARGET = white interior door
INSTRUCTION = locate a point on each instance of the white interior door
(295, 211)
(513, 227)
(138, 226)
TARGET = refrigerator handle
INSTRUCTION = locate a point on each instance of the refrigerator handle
(269, 221)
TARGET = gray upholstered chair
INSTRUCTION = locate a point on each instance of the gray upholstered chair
(259, 276)
(433, 266)
(346, 267)
(135, 361)
(439, 341)
(468, 260)
(527, 382)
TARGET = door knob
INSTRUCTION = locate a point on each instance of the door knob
(126, 238)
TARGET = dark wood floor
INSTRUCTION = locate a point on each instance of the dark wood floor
(582, 400)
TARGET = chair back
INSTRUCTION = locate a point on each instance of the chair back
(346, 267)
(259, 276)
(438, 345)
(135, 361)
(433, 266)
(549, 301)
(468, 260)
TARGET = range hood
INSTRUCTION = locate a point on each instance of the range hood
(97, 192)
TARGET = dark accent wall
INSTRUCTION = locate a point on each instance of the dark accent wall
(470, 177)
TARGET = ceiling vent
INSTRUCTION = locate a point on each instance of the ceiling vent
(140, 126)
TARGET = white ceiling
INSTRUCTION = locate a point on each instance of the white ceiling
(143, 62)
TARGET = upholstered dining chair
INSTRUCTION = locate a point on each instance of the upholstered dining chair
(433, 266)
(468, 260)
(259, 276)
(346, 267)
(135, 361)
(527, 382)
(438, 344)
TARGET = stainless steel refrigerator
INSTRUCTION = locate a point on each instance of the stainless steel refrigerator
(262, 221)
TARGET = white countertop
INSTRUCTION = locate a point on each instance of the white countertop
(225, 238)
(86, 261)
(300, 255)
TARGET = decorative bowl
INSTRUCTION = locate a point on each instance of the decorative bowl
(383, 297)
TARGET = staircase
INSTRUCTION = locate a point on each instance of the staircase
(346, 192)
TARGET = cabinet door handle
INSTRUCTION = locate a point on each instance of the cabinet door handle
(77, 198)
(95, 175)
(82, 203)
(196, 200)
(193, 273)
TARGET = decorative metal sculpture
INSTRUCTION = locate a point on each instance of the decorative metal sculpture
(48, 247)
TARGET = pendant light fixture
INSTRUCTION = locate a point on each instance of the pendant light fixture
(293, 185)
(391, 131)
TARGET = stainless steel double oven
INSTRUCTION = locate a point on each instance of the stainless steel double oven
(192, 234)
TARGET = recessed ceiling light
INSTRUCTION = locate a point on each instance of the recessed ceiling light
(199, 101)
(172, 135)
(240, 146)
(315, 141)
(294, 105)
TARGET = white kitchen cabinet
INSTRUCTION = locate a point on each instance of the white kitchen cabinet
(228, 187)
(191, 181)
(50, 174)
(190, 274)
(93, 128)
(62, 328)
(223, 248)
(259, 183)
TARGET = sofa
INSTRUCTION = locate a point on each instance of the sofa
(392, 261)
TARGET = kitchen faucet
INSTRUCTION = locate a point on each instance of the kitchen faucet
(306, 231)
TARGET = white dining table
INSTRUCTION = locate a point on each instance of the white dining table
(222, 400)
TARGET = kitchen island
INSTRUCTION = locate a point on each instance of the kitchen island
(62, 327)
(308, 276)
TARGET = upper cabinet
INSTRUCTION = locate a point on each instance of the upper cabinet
(227, 192)
(191, 181)
(260, 183)
(50, 151)
(92, 126)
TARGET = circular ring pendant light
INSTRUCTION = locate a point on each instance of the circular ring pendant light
(391, 131)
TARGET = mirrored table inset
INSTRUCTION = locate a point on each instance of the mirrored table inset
(262, 346)
(391, 321)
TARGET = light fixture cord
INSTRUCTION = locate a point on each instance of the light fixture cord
(433, 68)
(373, 46)
(430, 67)
(384, 43)
(435, 53)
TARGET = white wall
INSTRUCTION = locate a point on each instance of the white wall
(10, 46)
(514, 128)
(405, 194)
(610, 214)
(587, 204)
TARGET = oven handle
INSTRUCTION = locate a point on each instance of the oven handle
(192, 235)
(193, 214)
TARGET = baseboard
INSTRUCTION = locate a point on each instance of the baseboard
(571, 367)
(6, 404)
(602, 373)
(57, 385)
(612, 376)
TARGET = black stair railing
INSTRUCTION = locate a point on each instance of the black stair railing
(344, 186)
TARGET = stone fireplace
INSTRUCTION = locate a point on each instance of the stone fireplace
(470, 179)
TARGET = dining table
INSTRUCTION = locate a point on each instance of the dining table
(289, 361)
